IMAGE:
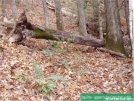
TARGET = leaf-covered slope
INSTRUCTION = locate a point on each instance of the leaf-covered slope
(84, 69)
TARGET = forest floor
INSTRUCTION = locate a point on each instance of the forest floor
(76, 68)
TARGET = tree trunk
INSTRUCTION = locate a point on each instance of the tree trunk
(131, 20)
(14, 9)
(114, 38)
(81, 18)
(100, 20)
(126, 4)
(46, 14)
(3, 7)
(59, 18)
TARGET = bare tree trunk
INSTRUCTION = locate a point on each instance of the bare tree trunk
(131, 21)
(3, 7)
(126, 4)
(59, 18)
(46, 14)
(14, 9)
(114, 38)
(100, 21)
(81, 18)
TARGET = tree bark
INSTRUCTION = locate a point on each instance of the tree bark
(81, 18)
(59, 18)
(3, 7)
(126, 4)
(46, 14)
(114, 38)
(131, 20)
(14, 9)
(100, 20)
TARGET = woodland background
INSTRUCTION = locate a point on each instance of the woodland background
(41, 69)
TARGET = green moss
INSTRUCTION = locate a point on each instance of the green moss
(115, 46)
(38, 33)
(50, 30)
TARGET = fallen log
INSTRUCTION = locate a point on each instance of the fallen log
(39, 32)
(24, 30)
(111, 52)
(18, 30)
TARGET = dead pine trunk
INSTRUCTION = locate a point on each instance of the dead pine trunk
(114, 38)
(59, 18)
(81, 18)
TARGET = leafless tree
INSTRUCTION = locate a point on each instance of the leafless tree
(126, 5)
(100, 20)
(59, 18)
(46, 14)
(3, 7)
(14, 9)
(131, 20)
(81, 18)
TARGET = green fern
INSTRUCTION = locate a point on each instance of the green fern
(37, 69)
(64, 63)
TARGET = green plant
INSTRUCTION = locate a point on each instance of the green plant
(53, 43)
(45, 85)
(64, 63)
(62, 50)
(32, 13)
(1, 51)
(37, 69)
(38, 12)
(49, 53)
(21, 78)
(83, 72)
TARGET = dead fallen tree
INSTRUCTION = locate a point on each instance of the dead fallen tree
(39, 32)
(113, 53)
(25, 30)
(18, 30)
